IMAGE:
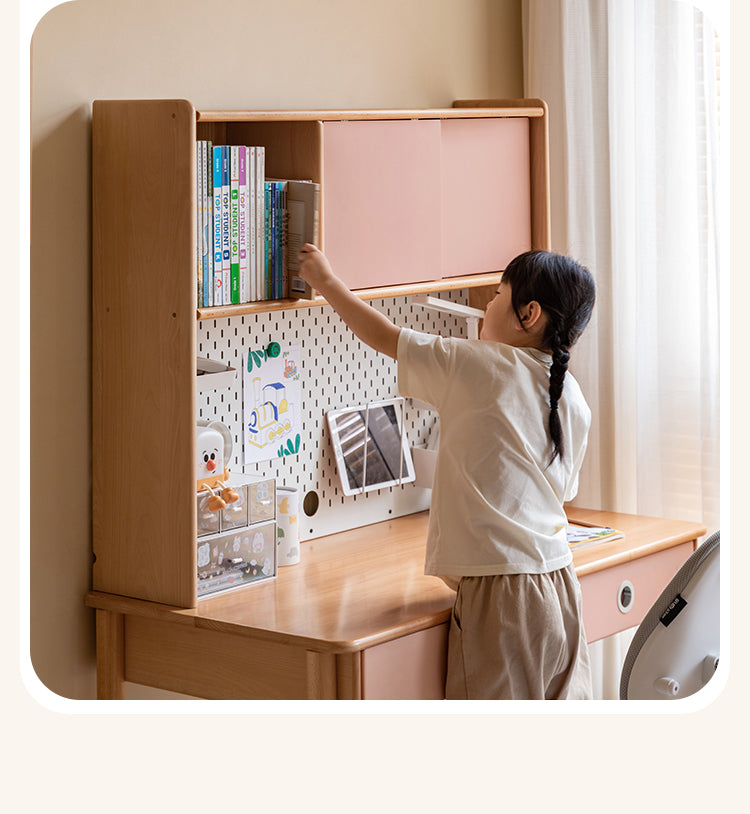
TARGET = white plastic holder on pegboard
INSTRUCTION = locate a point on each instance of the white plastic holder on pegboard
(425, 458)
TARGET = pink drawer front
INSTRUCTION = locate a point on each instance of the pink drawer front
(618, 598)
(409, 668)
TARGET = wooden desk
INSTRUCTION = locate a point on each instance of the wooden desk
(356, 618)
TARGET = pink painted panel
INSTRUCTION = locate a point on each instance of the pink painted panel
(409, 668)
(486, 194)
(381, 201)
(649, 576)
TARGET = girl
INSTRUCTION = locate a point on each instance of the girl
(513, 432)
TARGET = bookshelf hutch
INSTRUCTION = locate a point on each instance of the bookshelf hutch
(412, 201)
(144, 293)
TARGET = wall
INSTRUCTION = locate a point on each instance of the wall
(286, 54)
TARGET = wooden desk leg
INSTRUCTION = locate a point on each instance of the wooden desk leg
(333, 676)
(321, 675)
(110, 655)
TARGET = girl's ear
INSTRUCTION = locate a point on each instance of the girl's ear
(531, 313)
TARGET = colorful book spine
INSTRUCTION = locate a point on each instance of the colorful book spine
(279, 238)
(208, 274)
(205, 234)
(260, 221)
(243, 224)
(271, 240)
(252, 249)
(234, 224)
(218, 275)
(198, 225)
(226, 246)
(268, 241)
(275, 250)
(283, 273)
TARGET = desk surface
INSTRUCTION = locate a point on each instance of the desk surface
(366, 586)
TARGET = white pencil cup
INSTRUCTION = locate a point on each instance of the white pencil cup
(287, 525)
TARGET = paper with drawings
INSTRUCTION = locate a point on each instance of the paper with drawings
(271, 395)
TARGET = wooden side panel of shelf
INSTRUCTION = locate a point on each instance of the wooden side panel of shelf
(144, 301)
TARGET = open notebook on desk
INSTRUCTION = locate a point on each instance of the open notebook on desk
(583, 536)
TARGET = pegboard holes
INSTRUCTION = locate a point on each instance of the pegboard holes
(337, 370)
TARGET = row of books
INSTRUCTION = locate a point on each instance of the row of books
(250, 228)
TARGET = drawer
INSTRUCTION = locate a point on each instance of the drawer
(409, 668)
(618, 598)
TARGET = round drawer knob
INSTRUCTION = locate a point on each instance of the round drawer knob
(625, 596)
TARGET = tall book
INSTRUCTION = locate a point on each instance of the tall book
(218, 281)
(243, 225)
(284, 274)
(208, 230)
(278, 239)
(199, 225)
(226, 245)
(303, 226)
(234, 225)
(204, 193)
(260, 244)
(251, 247)
(267, 239)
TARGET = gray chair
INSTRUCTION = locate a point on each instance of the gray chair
(675, 650)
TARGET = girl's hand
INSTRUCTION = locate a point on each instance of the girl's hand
(314, 267)
(372, 327)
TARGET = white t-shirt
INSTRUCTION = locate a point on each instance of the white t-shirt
(496, 508)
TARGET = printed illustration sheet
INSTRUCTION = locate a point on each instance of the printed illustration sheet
(271, 395)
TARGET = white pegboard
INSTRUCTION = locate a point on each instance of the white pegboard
(337, 371)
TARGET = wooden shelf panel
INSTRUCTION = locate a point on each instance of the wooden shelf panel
(531, 111)
(445, 284)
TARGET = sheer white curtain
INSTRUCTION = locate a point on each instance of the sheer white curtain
(631, 90)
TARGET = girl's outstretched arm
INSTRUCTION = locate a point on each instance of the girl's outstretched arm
(372, 327)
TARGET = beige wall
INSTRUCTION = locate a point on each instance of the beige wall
(281, 54)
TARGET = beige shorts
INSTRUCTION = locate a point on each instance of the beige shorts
(518, 636)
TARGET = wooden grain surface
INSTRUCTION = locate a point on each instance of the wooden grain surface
(143, 388)
(366, 586)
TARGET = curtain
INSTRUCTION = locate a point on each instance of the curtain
(631, 87)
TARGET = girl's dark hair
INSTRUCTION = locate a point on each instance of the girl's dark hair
(566, 292)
